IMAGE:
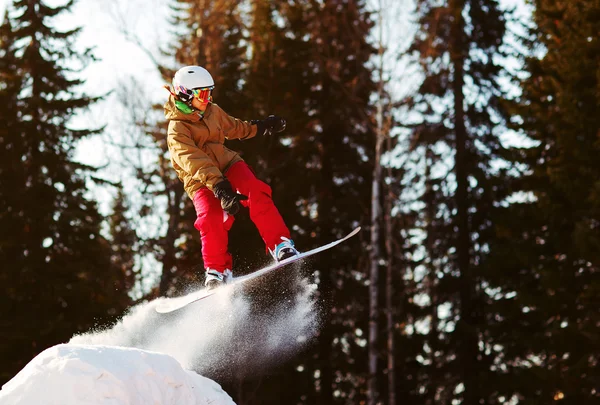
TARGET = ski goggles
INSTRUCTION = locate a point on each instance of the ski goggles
(203, 94)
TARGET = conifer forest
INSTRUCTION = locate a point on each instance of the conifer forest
(463, 136)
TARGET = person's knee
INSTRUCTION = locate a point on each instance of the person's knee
(260, 198)
(260, 190)
(209, 221)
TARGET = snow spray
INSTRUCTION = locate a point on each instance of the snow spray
(228, 335)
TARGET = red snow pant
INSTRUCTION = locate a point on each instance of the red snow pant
(214, 223)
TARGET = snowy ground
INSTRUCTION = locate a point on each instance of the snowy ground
(73, 374)
(150, 358)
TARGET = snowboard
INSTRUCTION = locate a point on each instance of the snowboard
(167, 305)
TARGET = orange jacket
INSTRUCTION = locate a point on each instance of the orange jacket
(196, 144)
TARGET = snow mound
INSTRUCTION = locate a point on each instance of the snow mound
(71, 374)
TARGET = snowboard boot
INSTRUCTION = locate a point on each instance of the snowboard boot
(215, 278)
(284, 250)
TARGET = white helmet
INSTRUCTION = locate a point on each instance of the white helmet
(189, 78)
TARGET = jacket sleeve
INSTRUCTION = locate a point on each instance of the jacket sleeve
(190, 158)
(234, 128)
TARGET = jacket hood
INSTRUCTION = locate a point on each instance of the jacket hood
(172, 113)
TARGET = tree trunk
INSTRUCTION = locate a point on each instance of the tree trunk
(327, 285)
(170, 250)
(373, 392)
(431, 280)
(389, 290)
(466, 329)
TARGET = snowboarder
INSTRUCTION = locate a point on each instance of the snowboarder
(216, 178)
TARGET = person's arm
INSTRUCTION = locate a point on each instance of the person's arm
(190, 157)
(234, 128)
(237, 129)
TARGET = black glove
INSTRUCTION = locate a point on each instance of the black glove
(230, 200)
(271, 124)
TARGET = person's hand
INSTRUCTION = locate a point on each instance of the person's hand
(274, 124)
(230, 200)
(271, 124)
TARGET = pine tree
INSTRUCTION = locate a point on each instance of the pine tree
(54, 257)
(324, 90)
(458, 44)
(124, 241)
(549, 235)
(10, 85)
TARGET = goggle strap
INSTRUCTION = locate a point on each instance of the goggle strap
(168, 88)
